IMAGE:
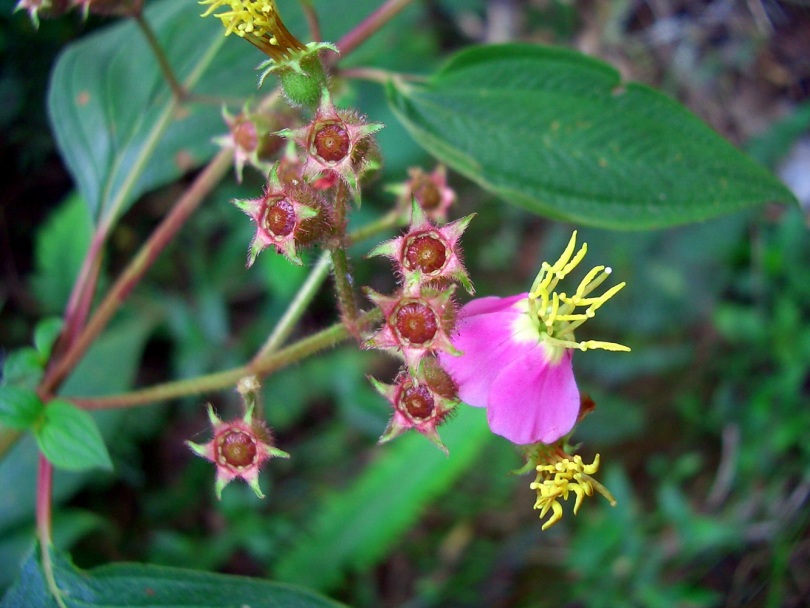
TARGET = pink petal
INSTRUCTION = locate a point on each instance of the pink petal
(485, 340)
(533, 401)
(490, 304)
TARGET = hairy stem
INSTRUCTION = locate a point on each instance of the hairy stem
(344, 285)
(370, 25)
(297, 307)
(267, 364)
(81, 296)
(43, 515)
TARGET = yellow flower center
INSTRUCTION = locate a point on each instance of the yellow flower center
(559, 314)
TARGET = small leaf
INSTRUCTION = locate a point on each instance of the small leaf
(19, 408)
(558, 133)
(22, 367)
(70, 439)
(45, 334)
(146, 586)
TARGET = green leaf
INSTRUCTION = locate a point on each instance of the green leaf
(22, 367)
(59, 249)
(109, 367)
(45, 334)
(558, 133)
(113, 115)
(70, 438)
(357, 527)
(19, 408)
(150, 587)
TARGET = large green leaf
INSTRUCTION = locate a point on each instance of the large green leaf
(357, 527)
(150, 587)
(558, 133)
(112, 112)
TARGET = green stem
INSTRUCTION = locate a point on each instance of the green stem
(344, 288)
(392, 219)
(272, 362)
(297, 307)
(370, 25)
(180, 94)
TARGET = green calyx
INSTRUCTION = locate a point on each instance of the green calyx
(302, 76)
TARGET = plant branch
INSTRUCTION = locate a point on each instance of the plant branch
(81, 296)
(344, 287)
(297, 307)
(43, 516)
(179, 92)
(272, 362)
(146, 256)
(370, 25)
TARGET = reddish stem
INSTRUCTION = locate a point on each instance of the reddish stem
(370, 25)
(81, 296)
(44, 489)
(146, 256)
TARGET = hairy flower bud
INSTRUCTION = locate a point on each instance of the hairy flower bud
(337, 142)
(239, 449)
(414, 325)
(417, 405)
(289, 215)
(427, 253)
(429, 190)
(49, 9)
(251, 136)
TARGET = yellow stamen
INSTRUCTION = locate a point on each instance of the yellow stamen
(561, 477)
(561, 314)
(259, 23)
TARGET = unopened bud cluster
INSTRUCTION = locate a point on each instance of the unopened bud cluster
(297, 207)
(418, 321)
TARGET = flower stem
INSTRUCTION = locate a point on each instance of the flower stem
(344, 288)
(296, 308)
(370, 25)
(146, 256)
(178, 91)
(267, 364)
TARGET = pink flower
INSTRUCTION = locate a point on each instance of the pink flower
(517, 353)
(506, 369)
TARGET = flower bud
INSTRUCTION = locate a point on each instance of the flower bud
(430, 191)
(414, 325)
(252, 137)
(239, 448)
(416, 406)
(49, 9)
(427, 253)
(337, 143)
(289, 215)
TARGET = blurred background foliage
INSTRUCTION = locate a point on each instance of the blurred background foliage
(703, 429)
